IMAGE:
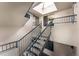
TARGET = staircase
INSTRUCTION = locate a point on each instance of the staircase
(37, 44)
(32, 43)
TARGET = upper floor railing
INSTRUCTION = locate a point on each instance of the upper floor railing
(65, 19)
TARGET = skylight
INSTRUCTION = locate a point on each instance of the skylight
(45, 7)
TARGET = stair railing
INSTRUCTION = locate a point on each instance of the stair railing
(25, 41)
(21, 44)
(45, 33)
(65, 19)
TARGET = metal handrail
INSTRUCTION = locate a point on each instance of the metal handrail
(65, 16)
(44, 45)
(29, 32)
(36, 39)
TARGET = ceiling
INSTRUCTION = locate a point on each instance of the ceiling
(60, 6)
(12, 13)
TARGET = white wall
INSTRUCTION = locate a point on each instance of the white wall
(62, 13)
(12, 18)
(15, 20)
(12, 13)
(62, 33)
(19, 34)
(22, 31)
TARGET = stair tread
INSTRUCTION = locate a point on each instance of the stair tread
(36, 51)
(38, 45)
(36, 48)
(41, 42)
(42, 38)
(27, 53)
(33, 53)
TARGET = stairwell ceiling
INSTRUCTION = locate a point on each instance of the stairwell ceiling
(12, 13)
(59, 5)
